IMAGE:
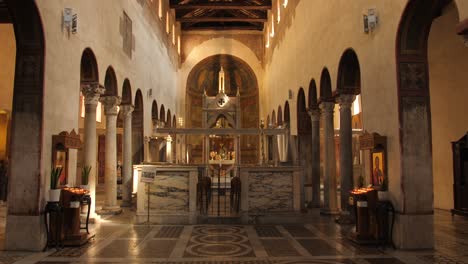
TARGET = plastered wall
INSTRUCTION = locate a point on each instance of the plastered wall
(7, 68)
(152, 65)
(315, 35)
(448, 61)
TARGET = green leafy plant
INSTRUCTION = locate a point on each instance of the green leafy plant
(85, 174)
(54, 177)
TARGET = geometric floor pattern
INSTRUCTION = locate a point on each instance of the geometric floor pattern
(320, 241)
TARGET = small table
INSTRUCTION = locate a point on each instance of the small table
(53, 212)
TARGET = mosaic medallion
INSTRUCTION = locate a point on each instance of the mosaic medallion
(219, 241)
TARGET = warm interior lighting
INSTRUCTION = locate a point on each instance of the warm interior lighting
(285, 3)
(181, 122)
(267, 45)
(173, 34)
(357, 105)
(362, 190)
(272, 33)
(169, 148)
(98, 109)
(178, 45)
(160, 11)
(168, 28)
(279, 11)
(136, 180)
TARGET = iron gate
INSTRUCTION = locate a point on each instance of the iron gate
(218, 194)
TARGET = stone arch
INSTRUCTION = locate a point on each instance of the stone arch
(280, 116)
(325, 86)
(110, 82)
(304, 142)
(126, 92)
(154, 111)
(304, 125)
(24, 187)
(312, 98)
(239, 77)
(162, 114)
(137, 129)
(274, 121)
(174, 121)
(168, 118)
(287, 114)
(349, 73)
(89, 67)
(213, 119)
(415, 120)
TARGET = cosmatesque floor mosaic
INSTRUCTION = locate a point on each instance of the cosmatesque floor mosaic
(318, 241)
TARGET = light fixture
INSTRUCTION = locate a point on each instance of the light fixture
(285, 3)
(181, 122)
(69, 21)
(370, 20)
(272, 33)
(279, 12)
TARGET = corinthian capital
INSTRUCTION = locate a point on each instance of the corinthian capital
(346, 100)
(314, 114)
(126, 109)
(92, 92)
(111, 104)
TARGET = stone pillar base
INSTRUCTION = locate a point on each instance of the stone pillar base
(110, 210)
(25, 233)
(126, 204)
(329, 211)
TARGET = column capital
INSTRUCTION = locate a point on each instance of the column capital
(126, 109)
(92, 92)
(111, 104)
(327, 107)
(346, 100)
(314, 114)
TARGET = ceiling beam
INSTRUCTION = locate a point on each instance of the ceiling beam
(220, 6)
(212, 28)
(220, 19)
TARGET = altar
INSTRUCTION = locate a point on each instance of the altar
(170, 197)
(219, 184)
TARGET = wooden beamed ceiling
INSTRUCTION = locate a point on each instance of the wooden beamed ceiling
(221, 14)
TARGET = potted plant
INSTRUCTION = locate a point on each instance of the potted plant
(54, 192)
(85, 177)
(383, 192)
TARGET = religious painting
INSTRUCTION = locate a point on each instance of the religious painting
(60, 162)
(378, 174)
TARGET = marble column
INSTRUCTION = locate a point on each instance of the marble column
(146, 149)
(91, 94)
(111, 109)
(346, 153)
(315, 117)
(127, 166)
(329, 171)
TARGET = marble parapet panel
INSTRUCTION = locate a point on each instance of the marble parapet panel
(270, 191)
(169, 192)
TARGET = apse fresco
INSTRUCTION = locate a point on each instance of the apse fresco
(238, 77)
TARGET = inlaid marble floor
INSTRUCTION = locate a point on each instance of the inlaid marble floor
(320, 241)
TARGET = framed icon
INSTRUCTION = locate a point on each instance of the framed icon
(378, 173)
